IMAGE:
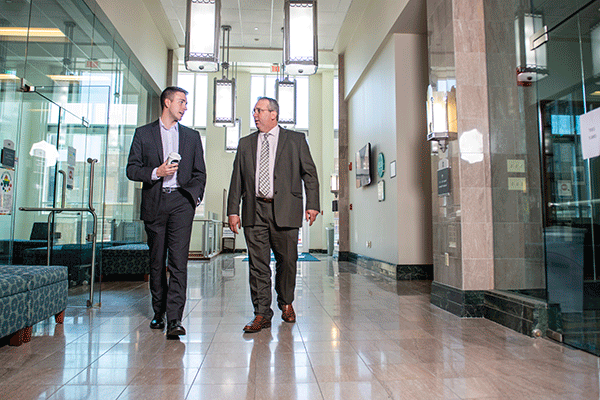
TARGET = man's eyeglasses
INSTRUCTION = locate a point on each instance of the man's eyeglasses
(259, 110)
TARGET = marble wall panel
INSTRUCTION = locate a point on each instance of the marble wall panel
(509, 239)
(473, 175)
(478, 274)
(477, 240)
(475, 205)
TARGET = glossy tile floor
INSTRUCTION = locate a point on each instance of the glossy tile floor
(358, 336)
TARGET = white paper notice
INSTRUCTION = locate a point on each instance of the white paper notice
(590, 133)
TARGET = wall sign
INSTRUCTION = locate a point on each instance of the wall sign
(6, 191)
(381, 190)
(443, 177)
(380, 165)
(590, 133)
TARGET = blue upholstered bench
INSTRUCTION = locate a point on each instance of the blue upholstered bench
(71, 255)
(130, 259)
(30, 294)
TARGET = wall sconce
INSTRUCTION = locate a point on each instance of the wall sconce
(232, 136)
(224, 89)
(285, 93)
(202, 35)
(441, 116)
(532, 64)
(300, 32)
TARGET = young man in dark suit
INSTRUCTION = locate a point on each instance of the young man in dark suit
(171, 191)
(268, 172)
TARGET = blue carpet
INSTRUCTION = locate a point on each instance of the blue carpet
(301, 257)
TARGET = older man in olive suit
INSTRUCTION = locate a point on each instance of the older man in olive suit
(269, 169)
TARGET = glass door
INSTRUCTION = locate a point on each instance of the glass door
(571, 182)
(57, 141)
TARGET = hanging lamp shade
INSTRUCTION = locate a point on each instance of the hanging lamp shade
(300, 31)
(224, 104)
(202, 35)
(285, 93)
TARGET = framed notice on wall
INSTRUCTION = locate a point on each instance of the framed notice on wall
(7, 190)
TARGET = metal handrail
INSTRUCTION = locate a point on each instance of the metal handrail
(574, 203)
(89, 209)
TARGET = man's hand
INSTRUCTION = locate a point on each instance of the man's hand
(234, 223)
(311, 215)
(166, 170)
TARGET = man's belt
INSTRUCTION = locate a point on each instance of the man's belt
(264, 199)
(170, 189)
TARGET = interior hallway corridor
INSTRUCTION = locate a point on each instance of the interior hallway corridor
(358, 336)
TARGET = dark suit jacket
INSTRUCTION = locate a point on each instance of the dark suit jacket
(147, 153)
(293, 164)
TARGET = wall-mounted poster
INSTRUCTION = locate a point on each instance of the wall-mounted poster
(589, 124)
(6, 191)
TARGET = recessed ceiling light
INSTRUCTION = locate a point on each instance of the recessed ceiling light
(256, 28)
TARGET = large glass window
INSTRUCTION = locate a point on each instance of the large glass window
(197, 107)
(264, 86)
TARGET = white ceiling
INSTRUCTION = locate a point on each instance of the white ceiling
(258, 23)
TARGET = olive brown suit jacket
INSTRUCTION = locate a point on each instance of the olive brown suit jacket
(293, 165)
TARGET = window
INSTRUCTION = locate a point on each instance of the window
(197, 107)
(264, 86)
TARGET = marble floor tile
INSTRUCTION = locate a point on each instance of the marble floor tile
(88, 392)
(357, 336)
(354, 391)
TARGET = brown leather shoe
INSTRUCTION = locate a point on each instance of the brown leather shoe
(259, 322)
(287, 313)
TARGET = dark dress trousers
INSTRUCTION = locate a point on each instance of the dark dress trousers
(273, 225)
(168, 216)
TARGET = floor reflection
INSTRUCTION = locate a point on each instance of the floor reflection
(358, 336)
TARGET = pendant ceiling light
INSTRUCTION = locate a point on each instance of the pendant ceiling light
(300, 30)
(224, 89)
(202, 35)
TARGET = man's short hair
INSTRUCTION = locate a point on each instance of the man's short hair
(273, 105)
(169, 93)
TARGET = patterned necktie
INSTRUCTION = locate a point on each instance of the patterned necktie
(264, 183)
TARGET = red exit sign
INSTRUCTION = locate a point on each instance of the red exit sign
(275, 68)
(91, 63)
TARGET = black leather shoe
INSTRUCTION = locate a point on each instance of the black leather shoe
(175, 328)
(158, 322)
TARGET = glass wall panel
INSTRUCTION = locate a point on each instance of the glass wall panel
(88, 99)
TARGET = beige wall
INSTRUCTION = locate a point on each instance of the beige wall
(372, 119)
(413, 181)
(135, 23)
(366, 27)
(386, 109)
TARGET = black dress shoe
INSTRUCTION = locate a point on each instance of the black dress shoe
(158, 322)
(175, 328)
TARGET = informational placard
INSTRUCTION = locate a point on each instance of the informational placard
(443, 177)
(381, 190)
(71, 157)
(590, 133)
(6, 191)
(565, 189)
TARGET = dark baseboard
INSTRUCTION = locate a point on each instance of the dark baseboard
(462, 303)
(521, 313)
(394, 271)
(518, 312)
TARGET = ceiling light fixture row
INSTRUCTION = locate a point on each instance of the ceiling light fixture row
(300, 30)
